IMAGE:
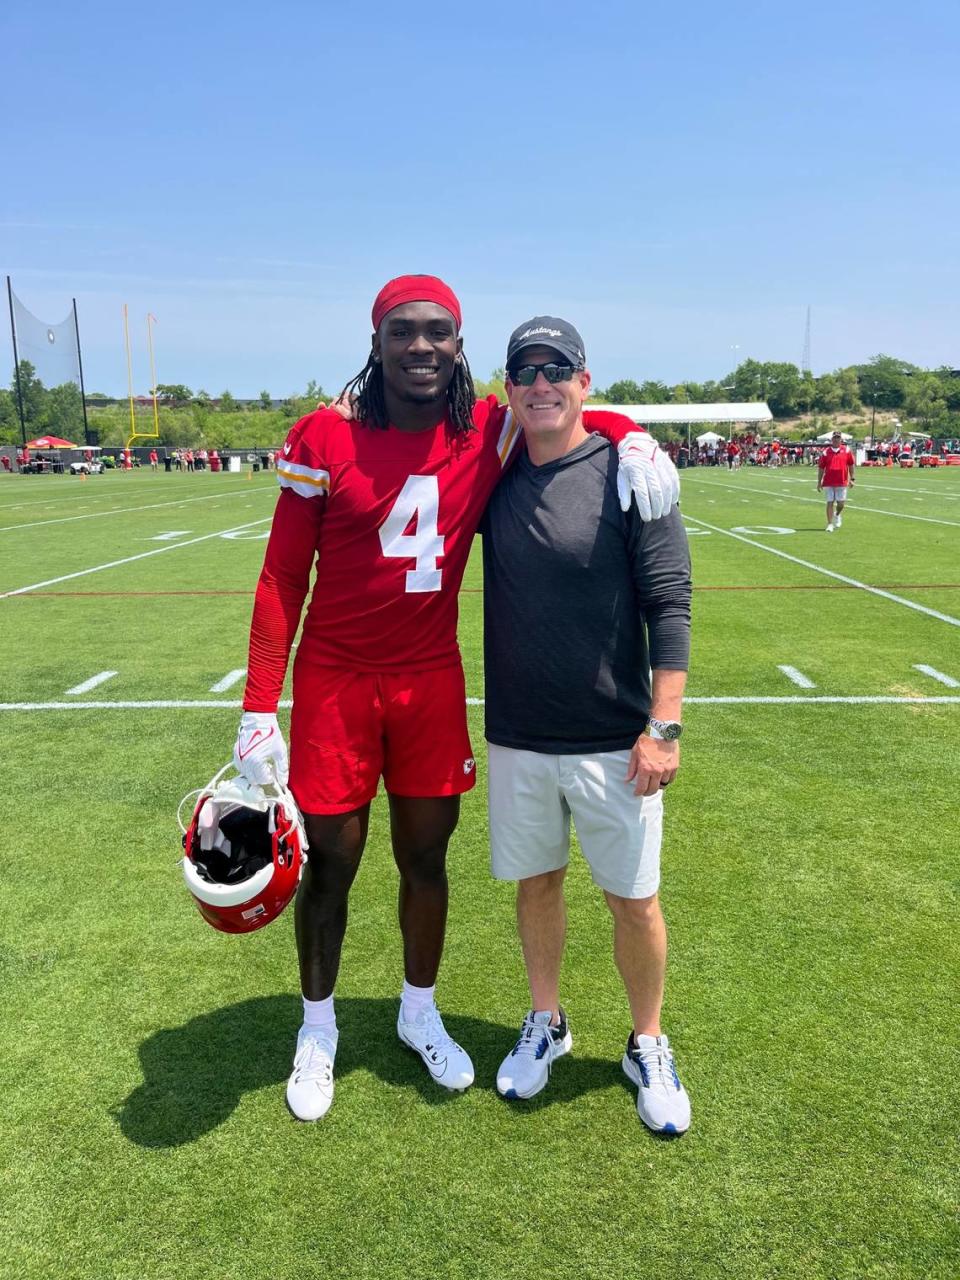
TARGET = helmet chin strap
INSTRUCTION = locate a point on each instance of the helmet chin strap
(247, 795)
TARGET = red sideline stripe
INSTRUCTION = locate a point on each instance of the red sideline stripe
(476, 591)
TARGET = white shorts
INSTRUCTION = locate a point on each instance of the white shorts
(835, 493)
(531, 798)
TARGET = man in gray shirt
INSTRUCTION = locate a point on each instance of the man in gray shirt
(581, 600)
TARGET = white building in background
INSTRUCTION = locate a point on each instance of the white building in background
(742, 414)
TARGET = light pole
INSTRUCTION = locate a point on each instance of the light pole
(728, 387)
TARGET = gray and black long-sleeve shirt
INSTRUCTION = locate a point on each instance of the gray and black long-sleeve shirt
(580, 600)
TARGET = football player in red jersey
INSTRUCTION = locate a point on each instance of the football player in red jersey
(386, 504)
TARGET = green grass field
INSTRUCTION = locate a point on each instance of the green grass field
(810, 886)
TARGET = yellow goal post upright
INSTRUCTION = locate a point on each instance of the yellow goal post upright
(134, 433)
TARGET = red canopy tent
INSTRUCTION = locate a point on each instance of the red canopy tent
(51, 442)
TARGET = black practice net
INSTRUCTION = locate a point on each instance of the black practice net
(50, 382)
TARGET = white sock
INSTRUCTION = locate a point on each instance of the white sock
(319, 1015)
(414, 1000)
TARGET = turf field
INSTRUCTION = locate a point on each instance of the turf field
(810, 885)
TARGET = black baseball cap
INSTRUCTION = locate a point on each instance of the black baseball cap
(547, 331)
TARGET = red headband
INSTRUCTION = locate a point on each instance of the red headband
(414, 289)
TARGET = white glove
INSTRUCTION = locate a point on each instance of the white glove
(260, 753)
(647, 474)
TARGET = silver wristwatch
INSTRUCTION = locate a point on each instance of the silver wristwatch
(668, 730)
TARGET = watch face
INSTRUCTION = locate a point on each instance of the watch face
(668, 729)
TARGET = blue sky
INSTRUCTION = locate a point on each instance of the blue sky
(681, 182)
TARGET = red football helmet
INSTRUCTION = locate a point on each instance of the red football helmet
(244, 852)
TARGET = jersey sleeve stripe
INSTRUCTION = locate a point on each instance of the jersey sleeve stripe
(508, 437)
(309, 482)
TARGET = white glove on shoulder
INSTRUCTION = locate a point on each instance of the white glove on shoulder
(647, 474)
(260, 753)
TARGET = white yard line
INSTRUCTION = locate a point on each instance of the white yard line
(88, 495)
(100, 678)
(828, 573)
(72, 493)
(143, 555)
(821, 502)
(186, 704)
(809, 480)
(115, 490)
(229, 680)
(937, 675)
(116, 511)
(797, 677)
(824, 699)
(929, 493)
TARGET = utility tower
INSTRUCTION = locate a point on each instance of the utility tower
(805, 358)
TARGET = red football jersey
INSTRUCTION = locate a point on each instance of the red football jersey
(389, 516)
(835, 465)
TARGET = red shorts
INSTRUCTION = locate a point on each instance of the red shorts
(349, 728)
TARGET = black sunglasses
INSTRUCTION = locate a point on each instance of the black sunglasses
(526, 375)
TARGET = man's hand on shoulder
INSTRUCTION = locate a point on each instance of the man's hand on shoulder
(260, 753)
(647, 474)
(344, 405)
(653, 764)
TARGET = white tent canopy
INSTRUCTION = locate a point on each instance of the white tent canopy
(709, 437)
(736, 412)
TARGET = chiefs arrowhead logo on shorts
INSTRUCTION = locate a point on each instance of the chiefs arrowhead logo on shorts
(469, 765)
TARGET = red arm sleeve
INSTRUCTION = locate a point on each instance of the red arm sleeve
(612, 426)
(281, 591)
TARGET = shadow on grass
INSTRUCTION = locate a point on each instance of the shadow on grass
(195, 1075)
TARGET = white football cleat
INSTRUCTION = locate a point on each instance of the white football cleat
(526, 1068)
(838, 521)
(829, 528)
(310, 1087)
(662, 1101)
(448, 1064)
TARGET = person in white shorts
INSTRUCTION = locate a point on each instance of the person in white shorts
(580, 601)
(835, 475)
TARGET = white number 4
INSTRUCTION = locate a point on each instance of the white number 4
(419, 498)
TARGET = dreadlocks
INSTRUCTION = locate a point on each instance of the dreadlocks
(370, 405)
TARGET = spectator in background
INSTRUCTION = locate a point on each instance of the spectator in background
(154, 460)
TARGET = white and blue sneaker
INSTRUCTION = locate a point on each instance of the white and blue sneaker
(310, 1087)
(662, 1101)
(526, 1068)
(448, 1064)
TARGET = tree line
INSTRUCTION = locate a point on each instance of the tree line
(928, 398)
